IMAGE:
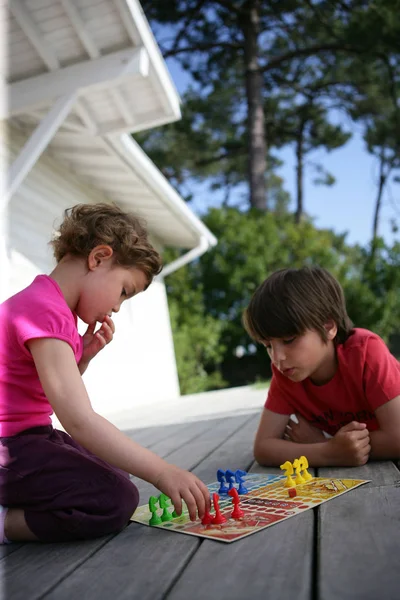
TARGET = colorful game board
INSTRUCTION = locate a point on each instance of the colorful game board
(266, 503)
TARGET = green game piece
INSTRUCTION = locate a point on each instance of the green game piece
(155, 519)
(165, 503)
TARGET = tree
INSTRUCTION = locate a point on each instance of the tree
(236, 51)
(306, 125)
(238, 46)
(377, 107)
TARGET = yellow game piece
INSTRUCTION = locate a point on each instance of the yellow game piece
(304, 466)
(288, 468)
(297, 466)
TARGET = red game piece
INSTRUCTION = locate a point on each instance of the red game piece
(237, 513)
(207, 519)
(219, 518)
(292, 492)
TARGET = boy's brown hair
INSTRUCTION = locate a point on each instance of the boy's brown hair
(290, 301)
(86, 226)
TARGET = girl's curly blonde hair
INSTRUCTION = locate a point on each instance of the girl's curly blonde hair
(86, 226)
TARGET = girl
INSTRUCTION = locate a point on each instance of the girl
(57, 486)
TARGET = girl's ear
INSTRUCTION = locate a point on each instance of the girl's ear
(98, 256)
(331, 330)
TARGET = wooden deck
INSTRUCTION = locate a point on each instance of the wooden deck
(349, 548)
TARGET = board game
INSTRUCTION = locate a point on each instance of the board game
(267, 502)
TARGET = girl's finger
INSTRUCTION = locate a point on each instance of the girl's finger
(190, 503)
(110, 323)
(200, 500)
(107, 332)
(91, 328)
(177, 502)
(206, 493)
(101, 338)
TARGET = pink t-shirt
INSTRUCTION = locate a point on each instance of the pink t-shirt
(367, 377)
(38, 311)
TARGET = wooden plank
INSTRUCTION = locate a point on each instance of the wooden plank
(146, 561)
(235, 452)
(359, 537)
(274, 563)
(8, 549)
(36, 568)
(204, 456)
(149, 436)
(283, 572)
(139, 565)
(282, 553)
(360, 545)
(380, 473)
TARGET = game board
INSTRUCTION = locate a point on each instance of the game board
(266, 503)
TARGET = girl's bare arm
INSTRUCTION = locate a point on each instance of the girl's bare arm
(66, 392)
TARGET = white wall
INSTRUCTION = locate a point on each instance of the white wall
(139, 365)
(140, 362)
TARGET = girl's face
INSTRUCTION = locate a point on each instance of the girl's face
(305, 355)
(105, 287)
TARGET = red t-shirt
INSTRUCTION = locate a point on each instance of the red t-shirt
(367, 377)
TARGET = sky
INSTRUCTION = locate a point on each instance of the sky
(348, 206)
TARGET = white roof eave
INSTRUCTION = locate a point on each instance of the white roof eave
(139, 66)
(129, 151)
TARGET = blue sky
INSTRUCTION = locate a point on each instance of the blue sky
(346, 206)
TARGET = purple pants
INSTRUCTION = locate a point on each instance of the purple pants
(67, 493)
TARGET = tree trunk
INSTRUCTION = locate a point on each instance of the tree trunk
(299, 173)
(378, 201)
(257, 160)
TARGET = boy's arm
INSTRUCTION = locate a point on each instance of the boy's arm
(349, 447)
(270, 449)
(66, 392)
(385, 442)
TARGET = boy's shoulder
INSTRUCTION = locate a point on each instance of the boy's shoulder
(363, 345)
(360, 338)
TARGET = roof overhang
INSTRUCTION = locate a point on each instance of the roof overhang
(80, 76)
(57, 46)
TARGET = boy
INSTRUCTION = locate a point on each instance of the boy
(336, 379)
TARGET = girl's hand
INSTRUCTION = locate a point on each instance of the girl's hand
(180, 485)
(94, 342)
(303, 432)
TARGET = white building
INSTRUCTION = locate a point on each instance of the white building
(82, 75)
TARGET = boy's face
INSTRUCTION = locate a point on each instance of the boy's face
(306, 355)
(106, 288)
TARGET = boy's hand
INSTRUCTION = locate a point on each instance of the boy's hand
(303, 432)
(351, 445)
(94, 342)
(178, 484)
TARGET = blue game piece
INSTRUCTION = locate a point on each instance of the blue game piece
(230, 476)
(221, 478)
(239, 479)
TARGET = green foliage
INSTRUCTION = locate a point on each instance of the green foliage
(207, 297)
(197, 335)
(380, 292)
